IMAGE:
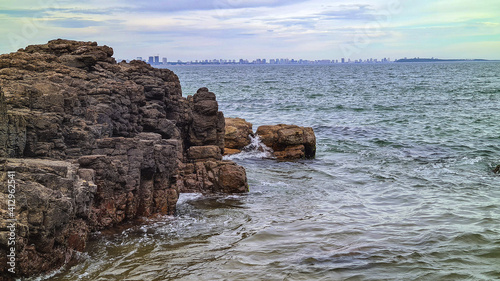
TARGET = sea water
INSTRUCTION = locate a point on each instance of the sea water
(402, 186)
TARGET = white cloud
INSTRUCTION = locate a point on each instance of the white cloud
(310, 29)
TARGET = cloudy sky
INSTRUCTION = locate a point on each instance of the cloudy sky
(250, 29)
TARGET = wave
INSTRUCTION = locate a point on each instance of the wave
(255, 150)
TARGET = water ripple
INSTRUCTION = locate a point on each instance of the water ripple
(402, 187)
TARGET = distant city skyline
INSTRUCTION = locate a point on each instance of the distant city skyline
(155, 60)
(309, 29)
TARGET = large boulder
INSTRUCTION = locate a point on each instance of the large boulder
(289, 142)
(237, 136)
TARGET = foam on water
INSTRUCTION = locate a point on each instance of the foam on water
(255, 150)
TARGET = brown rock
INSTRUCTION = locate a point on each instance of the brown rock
(213, 176)
(291, 152)
(231, 151)
(238, 132)
(231, 179)
(289, 141)
(208, 152)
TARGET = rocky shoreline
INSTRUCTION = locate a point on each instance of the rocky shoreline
(93, 143)
(90, 144)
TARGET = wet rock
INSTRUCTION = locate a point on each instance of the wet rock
(289, 142)
(497, 170)
(237, 135)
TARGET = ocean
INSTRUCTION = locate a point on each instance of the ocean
(402, 186)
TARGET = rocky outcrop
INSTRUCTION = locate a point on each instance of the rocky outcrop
(497, 170)
(237, 136)
(208, 124)
(94, 143)
(289, 142)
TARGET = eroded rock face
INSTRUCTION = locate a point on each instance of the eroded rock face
(52, 205)
(289, 141)
(95, 143)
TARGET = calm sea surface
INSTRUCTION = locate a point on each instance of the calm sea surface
(402, 186)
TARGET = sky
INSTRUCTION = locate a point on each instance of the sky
(250, 29)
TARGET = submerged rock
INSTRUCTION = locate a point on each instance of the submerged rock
(94, 143)
(497, 170)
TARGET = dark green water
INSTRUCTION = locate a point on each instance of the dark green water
(401, 188)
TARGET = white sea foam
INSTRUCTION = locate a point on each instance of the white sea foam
(256, 149)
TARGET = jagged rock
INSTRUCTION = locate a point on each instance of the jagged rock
(497, 170)
(237, 136)
(289, 141)
(118, 141)
(208, 123)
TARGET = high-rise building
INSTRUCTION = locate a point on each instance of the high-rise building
(157, 59)
(164, 60)
(151, 60)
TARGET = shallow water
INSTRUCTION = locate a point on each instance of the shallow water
(401, 187)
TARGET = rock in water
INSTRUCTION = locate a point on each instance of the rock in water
(238, 133)
(289, 142)
(94, 143)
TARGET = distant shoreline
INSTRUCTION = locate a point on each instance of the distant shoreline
(442, 60)
(332, 64)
